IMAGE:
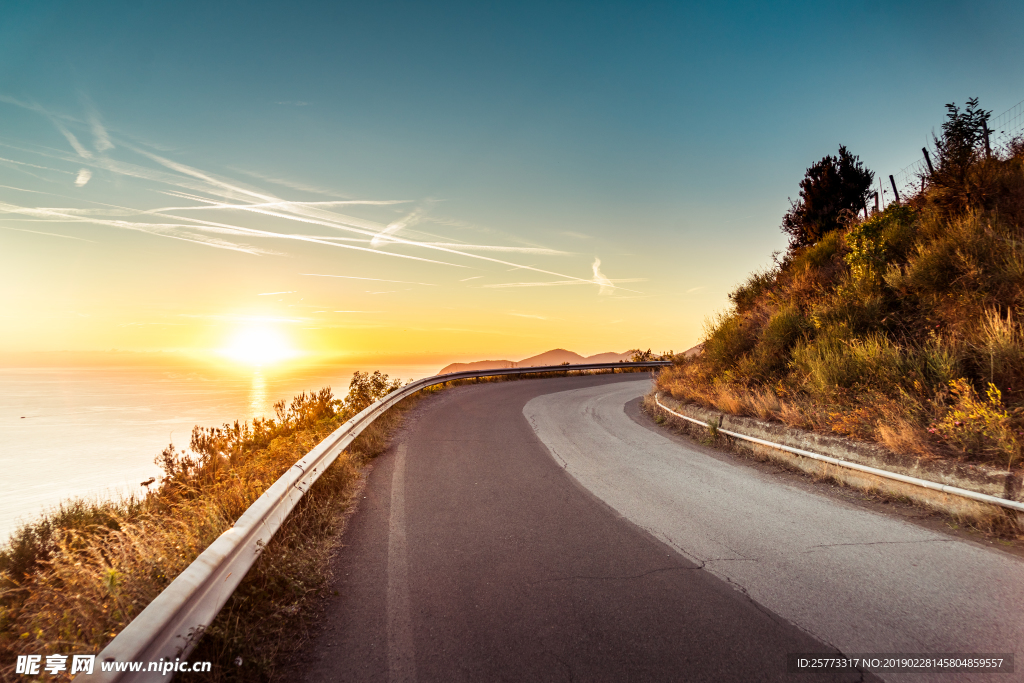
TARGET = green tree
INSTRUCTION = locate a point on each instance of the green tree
(831, 190)
(957, 154)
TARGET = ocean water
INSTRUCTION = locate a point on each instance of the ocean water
(94, 432)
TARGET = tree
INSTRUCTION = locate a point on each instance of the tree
(830, 190)
(957, 154)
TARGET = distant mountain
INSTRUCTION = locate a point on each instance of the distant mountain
(478, 365)
(552, 357)
(695, 351)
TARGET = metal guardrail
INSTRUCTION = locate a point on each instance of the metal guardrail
(923, 483)
(170, 626)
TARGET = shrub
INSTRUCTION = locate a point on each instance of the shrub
(757, 285)
(728, 338)
(833, 188)
(979, 427)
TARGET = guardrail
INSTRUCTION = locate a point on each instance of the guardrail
(923, 483)
(170, 626)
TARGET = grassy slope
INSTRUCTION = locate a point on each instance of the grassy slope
(903, 329)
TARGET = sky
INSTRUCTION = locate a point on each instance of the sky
(449, 181)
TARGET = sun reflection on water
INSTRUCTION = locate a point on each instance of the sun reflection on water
(258, 394)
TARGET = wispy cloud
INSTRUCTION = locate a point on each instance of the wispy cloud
(83, 177)
(22, 189)
(577, 235)
(285, 182)
(558, 283)
(101, 140)
(206, 191)
(243, 318)
(528, 315)
(475, 277)
(44, 168)
(694, 289)
(75, 144)
(606, 286)
(495, 247)
(381, 238)
(273, 293)
(50, 234)
(375, 279)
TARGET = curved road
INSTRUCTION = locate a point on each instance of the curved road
(534, 530)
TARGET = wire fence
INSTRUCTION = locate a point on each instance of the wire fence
(908, 181)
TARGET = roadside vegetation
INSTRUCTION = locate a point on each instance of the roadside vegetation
(903, 327)
(72, 580)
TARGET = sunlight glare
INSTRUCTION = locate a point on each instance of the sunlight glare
(259, 346)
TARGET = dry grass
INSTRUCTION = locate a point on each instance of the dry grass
(902, 329)
(71, 581)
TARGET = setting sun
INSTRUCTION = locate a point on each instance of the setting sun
(259, 346)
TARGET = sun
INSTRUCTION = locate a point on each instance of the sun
(259, 346)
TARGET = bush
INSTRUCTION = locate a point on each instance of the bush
(979, 427)
(833, 190)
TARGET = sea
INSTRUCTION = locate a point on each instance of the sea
(94, 432)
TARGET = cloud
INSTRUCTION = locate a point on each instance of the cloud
(78, 147)
(45, 168)
(172, 230)
(51, 234)
(101, 141)
(694, 289)
(225, 194)
(22, 189)
(83, 177)
(273, 293)
(475, 277)
(568, 283)
(375, 279)
(244, 318)
(606, 286)
(527, 315)
(295, 185)
(577, 235)
(489, 247)
(382, 237)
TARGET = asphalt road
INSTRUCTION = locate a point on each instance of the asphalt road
(859, 580)
(477, 555)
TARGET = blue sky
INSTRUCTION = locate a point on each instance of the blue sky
(661, 138)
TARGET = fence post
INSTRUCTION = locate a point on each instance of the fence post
(988, 144)
(928, 160)
(894, 190)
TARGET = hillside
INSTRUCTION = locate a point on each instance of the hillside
(552, 357)
(903, 328)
